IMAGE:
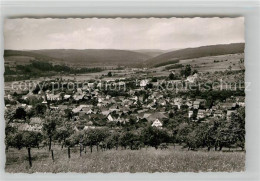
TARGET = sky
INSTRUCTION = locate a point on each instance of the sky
(121, 33)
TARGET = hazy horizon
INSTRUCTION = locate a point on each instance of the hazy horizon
(121, 49)
(121, 33)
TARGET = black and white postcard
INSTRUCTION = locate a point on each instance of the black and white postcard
(105, 95)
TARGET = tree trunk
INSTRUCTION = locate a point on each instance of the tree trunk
(69, 152)
(29, 157)
(97, 147)
(208, 148)
(80, 150)
(91, 148)
(50, 139)
(52, 155)
(216, 147)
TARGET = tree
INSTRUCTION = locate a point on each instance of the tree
(28, 139)
(186, 71)
(238, 127)
(68, 113)
(154, 79)
(9, 135)
(20, 113)
(74, 139)
(171, 76)
(153, 136)
(129, 139)
(109, 74)
(49, 127)
(15, 140)
(94, 137)
(194, 72)
(63, 133)
(40, 109)
(171, 114)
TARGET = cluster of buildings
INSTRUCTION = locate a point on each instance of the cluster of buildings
(91, 107)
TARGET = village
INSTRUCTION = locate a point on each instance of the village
(119, 102)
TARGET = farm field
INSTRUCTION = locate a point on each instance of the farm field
(210, 63)
(144, 160)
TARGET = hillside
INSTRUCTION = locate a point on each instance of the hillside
(96, 57)
(89, 57)
(21, 57)
(151, 52)
(188, 53)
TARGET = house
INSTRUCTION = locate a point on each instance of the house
(196, 104)
(228, 106)
(218, 114)
(110, 118)
(240, 100)
(76, 129)
(108, 97)
(79, 108)
(78, 97)
(162, 102)
(189, 104)
(24, 97)
(230, 113)
(178, 102)
(88, 127)
(144, 82)
(104, 111)
(190, 113)
(86, 110)
(66, 96)
(146, 115)
(214, 108)
(44, 100)
(201, 113)
(63, 107)
(157, 123)
(156, 115)
(36, 121)
(54, 107)
(53, 97)
(192, 78)
(28, 127)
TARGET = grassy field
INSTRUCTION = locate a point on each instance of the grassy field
(145, 160)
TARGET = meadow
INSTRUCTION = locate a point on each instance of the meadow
(144, 160)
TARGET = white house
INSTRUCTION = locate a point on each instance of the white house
(144, 82)
(192, 78)
(190, 113)
(157, 123)
(110, 118)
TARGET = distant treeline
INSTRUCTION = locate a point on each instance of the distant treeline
(38, 68)
(174, 66)
(167, 63)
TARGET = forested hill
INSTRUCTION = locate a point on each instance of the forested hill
(204, 51)
(88, 57)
